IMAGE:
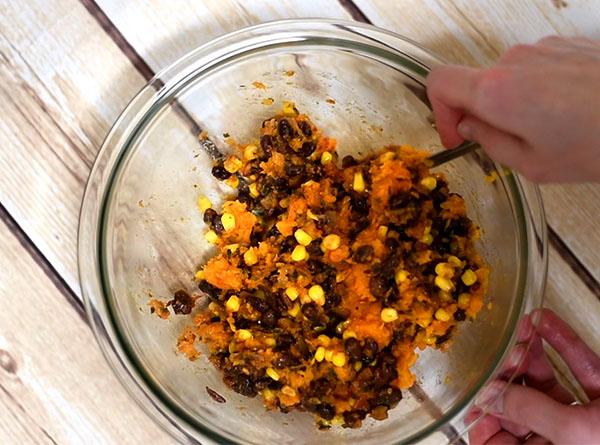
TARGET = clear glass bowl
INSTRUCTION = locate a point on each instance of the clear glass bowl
(140, 232)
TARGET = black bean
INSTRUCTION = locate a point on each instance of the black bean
(311, 311)
(301, 349)
(314, 266)
(332, 299)
(325, 410)
(392, 245)
(219, 172)
(358, 226)
(182, 303)
(217, 226)
(353, 419)
(215, 395)
(388, 397)
(363, 254)
(212, 291)
(257, 304)
(459, 226)
(210, 215)
(460, 315)
(314, 248)
(284, 341)
(360, 204)
(308, 148)
(285, 360)
(240, 382)
(385, 373)
(444, 338)
(353, 349)
(348, 161)
(294, 169)
(268, 320)
(266, 142)
(305, 128)
(379, 285)
(369, 350)
(287, 244)
(285, 130)
(399, 200)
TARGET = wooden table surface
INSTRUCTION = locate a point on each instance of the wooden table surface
(68, 67)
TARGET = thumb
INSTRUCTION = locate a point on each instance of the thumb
(534, 410)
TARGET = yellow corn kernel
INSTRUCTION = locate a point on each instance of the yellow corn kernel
(214, 308)
(271, 342)
(464, 301)
(268, 394)
(232, 348)
(358, 183)
(326, 157)
(272, 374)
(430, 340)
(211, 236)
(311, 215)
(387, 156)
(444, 270)
(382, 231)
(443, 283)
(469, 277)
(427, 239)
(358, 366)
(323, 340)
(284, 203)
(338, 359)
(199, 275)
(455, 261)
(253, 189)
(317, 294)
(289, 108)
(243, 334)
(292, 293)
(348, 334)
(250, 152)
(328, 355)
(299, 253)
(233, 304)
(228, 221)
(331, 242)
(204, 203)
(294, 311)
(389, 314)
(320, 354)
(288, 391)
(250, 258)
(424, 321)
(232, 181)
(302, 237)
(232, 247)
(442, 315)
(401, 276)
(232, 164)
(429, 182)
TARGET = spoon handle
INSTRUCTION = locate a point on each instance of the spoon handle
(448, 155)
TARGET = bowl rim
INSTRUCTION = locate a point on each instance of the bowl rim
(93, 215)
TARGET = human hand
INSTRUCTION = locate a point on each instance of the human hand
(537, 110)
(540, 411)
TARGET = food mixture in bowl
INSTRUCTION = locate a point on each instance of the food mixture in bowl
(328, 275)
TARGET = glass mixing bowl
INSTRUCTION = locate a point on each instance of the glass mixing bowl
(141, 234)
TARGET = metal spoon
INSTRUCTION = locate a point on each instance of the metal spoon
(448, 155)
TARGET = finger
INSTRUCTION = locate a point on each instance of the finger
(503, 438)
(514, 428)
(483, 430)
(517, 363)
(581, 360)
(537, 440)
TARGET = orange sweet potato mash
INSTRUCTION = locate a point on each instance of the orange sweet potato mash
(329, 275)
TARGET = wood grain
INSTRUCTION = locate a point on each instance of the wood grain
(55, 386)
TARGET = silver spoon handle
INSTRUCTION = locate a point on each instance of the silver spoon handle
(453, 153)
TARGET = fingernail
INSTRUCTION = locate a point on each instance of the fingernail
(536, 315)
(465, 129)
(491, 399)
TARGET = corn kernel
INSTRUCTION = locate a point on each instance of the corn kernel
(289, 108)
(443, 283)
(299, 253)
(302, 237)
(401, 276)
(348, 334)
(427, 238)
(317, 294)
(442, 315)
(430, 340)
(211, 236)
(358, 183)
(469, 277)
(382, 231)
(233, 304)
(294, 311)
(358, 366)
(320, 354)
(250, 152)
(284, 203)
(292, 293)
(243, 334)
(424, 321)
(464, 300)
(253, 189)
(271, 342)
(311, 215)
(199, 275)
(339, 359)
(389, 314)
(232, 247)
(228, 221)
(232, 181)
(268, 394)
(324, 340)
(288, 391)
(272, 374)
(455, 261)
(232, 164)
(331, 242)
(328, 355)
(326, 157)
(204, 203)
(444, 270)
(250, 258)
(429, 182)
(214, 308)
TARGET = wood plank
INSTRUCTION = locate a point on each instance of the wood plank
(55, 386)
(476, 33)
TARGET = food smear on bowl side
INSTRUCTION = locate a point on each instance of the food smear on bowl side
(330, 274)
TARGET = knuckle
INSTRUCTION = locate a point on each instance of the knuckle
(518, 52)
(491, 87)
(549, 40)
